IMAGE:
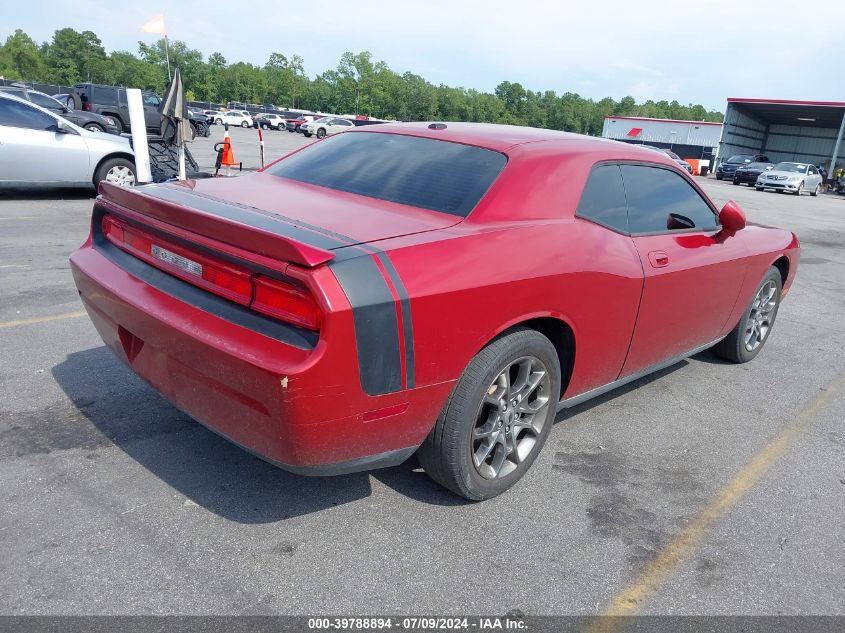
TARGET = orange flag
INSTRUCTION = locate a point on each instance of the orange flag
(156, 25)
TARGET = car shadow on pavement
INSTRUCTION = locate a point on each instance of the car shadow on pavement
(118, 408)
(78, 193)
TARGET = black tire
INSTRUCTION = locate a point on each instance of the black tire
(201, 129)
(93, 127)
(733, 347)
(800, 189)
(244, 124)
(815, 191)
(218, 121)
(718, 177)
(758, 188)
(321, 133)
(307, 134)
(447, 453)
(112, 163)
(736, 181)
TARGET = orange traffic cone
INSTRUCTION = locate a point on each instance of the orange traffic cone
(228, 155)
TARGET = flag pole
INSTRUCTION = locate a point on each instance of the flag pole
(167, 57)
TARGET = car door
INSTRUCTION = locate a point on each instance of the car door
(693, 272)
(152, 117)
(814, 179)
(341, 125)
(33, 150)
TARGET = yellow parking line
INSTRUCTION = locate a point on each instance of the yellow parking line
(44, 319)
(631, 599)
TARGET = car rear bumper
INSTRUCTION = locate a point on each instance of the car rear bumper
(301, 409)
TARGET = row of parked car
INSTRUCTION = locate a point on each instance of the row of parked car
(308, 124)
(758, 171)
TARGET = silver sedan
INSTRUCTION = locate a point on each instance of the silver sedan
(792, 177)
(41, 149)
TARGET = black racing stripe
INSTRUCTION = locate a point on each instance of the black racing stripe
(376, 326)
(202, 299)
(250, 216)
(407, 324)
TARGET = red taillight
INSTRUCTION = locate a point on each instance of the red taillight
(283, 301)
(236, 283)
(89, 107)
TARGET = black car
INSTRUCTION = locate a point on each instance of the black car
(88, 120)
(727, 168)
(747, 174)
(111, 101)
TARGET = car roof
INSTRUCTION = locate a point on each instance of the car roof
(528, 139)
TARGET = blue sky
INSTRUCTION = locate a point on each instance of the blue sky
(695, 52)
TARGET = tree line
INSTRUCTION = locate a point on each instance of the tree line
(359, 84)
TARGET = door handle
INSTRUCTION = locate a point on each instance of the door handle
(658, 259)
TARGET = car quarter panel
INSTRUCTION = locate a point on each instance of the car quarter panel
(469, 286)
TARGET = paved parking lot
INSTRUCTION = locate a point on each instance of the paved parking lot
(709, 488)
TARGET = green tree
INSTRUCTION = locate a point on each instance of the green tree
(22, 57)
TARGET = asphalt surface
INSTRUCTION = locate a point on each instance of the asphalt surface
(114, 502)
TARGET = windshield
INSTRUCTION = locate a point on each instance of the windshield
(740, 158)
(759, 166)
(420, 172)
(798, 168)
(672, 154)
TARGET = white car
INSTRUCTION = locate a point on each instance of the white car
(792, 177)
(273, 121)
(41, 149)
(233, 117)
(326, 126)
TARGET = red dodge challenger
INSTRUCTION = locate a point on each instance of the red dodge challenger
(434, 288)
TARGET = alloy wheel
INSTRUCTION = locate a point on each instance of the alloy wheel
(511, 417)
(759, 321)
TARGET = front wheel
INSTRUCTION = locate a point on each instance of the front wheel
(93, 127)
(116, 170)
(218, 121)
(758, 188)
(800, 189)
(748, 337)
(497, 418)
(307, 134)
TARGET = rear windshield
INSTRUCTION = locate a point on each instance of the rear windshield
(420, 172)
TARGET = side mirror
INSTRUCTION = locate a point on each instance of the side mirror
(731, 217)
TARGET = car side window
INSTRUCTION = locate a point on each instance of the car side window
(44, 101)
(660, 200)
(603, 199)
(151, 100)
(14, 114)
(813, 170)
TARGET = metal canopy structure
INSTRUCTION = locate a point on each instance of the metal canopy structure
(784, 130)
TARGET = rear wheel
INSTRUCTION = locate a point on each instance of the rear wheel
(321, 133)
(244, 124)
(748, 337)
(816, 191)
(93, 127)
(118, 171)
(497, 418)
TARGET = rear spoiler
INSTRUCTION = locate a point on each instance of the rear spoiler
(248, 228)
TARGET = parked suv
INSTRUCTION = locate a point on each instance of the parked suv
(88, 120)
(111, 101)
